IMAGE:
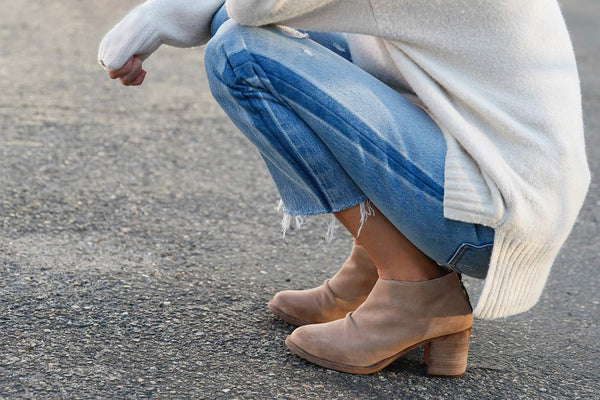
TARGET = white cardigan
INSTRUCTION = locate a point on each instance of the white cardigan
(499, 77)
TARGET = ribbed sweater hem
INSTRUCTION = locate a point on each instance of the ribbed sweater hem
(516, 277)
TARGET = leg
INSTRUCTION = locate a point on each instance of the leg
(394, 255)
(333, 136)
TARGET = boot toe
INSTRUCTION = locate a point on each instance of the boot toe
(284, 305)
(309, 343)
(319, 344)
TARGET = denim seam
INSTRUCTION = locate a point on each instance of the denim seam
(459, 254)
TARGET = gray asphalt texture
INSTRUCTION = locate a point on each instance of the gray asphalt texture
(139, 244)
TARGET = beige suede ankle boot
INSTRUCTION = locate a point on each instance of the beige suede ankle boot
(336, 297)
(396, 318)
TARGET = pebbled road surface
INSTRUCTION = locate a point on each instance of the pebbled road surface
(139, 243)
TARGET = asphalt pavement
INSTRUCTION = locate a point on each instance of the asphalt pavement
(139, 244)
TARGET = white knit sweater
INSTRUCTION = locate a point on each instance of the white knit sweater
(499, 77)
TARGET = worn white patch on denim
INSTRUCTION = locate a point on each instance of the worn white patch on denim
(291, 32)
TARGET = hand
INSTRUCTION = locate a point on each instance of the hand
(130, 74)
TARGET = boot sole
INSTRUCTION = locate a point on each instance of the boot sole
(285, 317)
(351, 369)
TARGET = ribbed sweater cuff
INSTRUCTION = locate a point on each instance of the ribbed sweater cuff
(124, 41)
(516, 277)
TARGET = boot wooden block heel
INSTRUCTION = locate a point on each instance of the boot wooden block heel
(448, 356)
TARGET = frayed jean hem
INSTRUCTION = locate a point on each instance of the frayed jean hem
(366, 210)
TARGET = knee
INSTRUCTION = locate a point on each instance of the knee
(230, 38)
(219, 68)
(216, 50)
(232, 57)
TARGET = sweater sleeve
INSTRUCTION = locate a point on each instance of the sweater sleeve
(180, 23)
(354, 16)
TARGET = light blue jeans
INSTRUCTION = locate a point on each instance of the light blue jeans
(333, 136)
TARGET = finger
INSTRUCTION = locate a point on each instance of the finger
(117, 73)
(136, 69)
(124, 70)
(131, 81)
(139, 79)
